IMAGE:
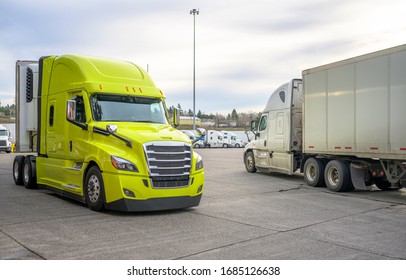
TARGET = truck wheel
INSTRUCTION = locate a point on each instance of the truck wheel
(314, 172)
(29, 174)
(337, 176)
(18, 170)
(249, 161)
(94, 189)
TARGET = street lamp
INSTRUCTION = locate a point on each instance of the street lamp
(194, 12)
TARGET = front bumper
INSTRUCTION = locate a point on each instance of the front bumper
(144, 197)
(5, 149)
(154, 204)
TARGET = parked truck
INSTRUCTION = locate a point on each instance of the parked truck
(101, 134)
(214, 139)
(342, 125)
(5, 139)
(231, 139)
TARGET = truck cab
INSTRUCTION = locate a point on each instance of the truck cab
(103, 137)
(278, 135)
(5, 139)
(214, 139)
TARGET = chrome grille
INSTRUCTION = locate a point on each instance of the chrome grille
(169, 163)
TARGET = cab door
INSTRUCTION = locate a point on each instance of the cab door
(261, 143)
(77, 118)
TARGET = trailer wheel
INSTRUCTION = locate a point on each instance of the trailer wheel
(94, 189)
(29, 174)
(314, 172)
(337, 176)
(249, 162)
(18, 170)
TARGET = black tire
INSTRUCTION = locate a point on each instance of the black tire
(18, 170)
(337, 176)
(29, 174)
(94, 189)
(237, 145)
(314, 172)
(249, 162)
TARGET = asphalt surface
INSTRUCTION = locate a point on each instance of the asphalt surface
(241, 216)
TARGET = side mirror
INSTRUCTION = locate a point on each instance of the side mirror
(253, 126)
(176, 117)
(111, 128)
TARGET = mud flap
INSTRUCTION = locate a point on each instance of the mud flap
(358, 177)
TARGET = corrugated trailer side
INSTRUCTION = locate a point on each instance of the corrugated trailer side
(356, 106)
(354, 122)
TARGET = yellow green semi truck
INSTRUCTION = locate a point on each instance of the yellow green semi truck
(100, 133)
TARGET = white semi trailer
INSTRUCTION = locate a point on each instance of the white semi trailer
(342, 125)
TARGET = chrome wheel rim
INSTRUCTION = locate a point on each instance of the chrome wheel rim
(26, 173)
(93, 189)
(333, 176)
(311, 172)
(250, 162)
(16, 173)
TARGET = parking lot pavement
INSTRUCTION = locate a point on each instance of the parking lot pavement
(241, 216)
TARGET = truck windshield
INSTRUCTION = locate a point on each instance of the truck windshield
(124, 108)
(3, 133)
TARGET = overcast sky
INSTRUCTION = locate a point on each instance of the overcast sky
(244, 49)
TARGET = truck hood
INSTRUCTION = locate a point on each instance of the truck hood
(141, 133)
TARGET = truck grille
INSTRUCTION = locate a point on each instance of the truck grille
(3, 143)
(169, 163)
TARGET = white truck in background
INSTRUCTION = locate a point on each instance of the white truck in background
(231, 139)
(214, 139)
(5, 139)
(342, 125)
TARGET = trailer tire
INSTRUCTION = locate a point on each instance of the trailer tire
(314, 172)
(249, 162)
(29, 174)
(337, 176)
(18, 170)
(94, 189)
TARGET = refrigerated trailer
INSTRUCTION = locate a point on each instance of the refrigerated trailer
(342, 125)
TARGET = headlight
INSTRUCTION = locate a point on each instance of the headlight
(122, 164)
(199, 163)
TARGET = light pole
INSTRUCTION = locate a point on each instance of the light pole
(194, 12)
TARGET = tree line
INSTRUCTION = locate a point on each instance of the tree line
(230, 119)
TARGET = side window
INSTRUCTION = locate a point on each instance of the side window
(262, 123)
(76, 110)
(282, 96)
(51, 115)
